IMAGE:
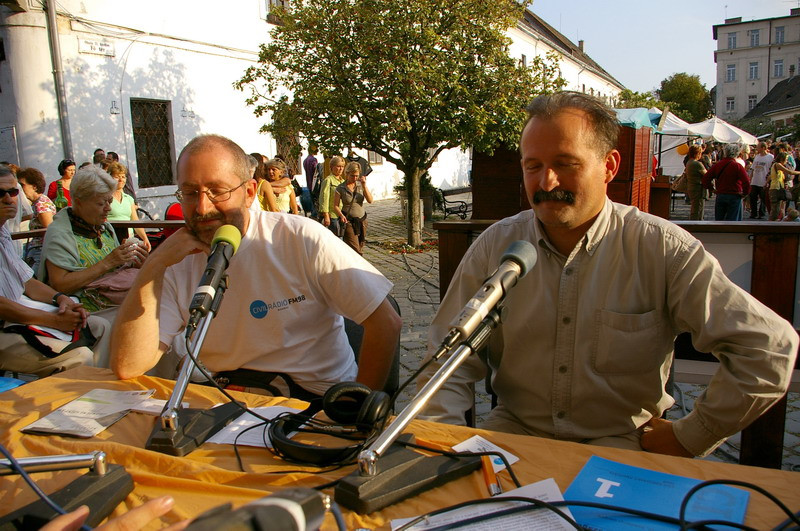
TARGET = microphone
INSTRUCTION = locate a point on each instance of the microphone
(519, 258)
(294, 509)
(224, 244)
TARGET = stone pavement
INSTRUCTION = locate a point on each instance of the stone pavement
(416, 289)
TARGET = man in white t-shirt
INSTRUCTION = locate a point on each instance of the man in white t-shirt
(290, 283)
(758, 182)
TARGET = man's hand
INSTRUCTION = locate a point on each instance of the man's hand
(68, 307)
(178, 246)
(133, 520)
(659, 437)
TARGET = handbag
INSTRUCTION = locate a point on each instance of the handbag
(681, 184)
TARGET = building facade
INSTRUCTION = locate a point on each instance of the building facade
(752, 57)
(143, 78)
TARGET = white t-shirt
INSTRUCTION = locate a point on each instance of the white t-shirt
(290, 283)
(761, 165)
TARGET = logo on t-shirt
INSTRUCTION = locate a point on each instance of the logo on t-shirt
(259, 309)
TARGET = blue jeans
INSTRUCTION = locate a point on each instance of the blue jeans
(728, 207)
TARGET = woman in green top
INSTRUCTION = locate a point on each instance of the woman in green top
(80, 245)
(327, 194)
(694, 182)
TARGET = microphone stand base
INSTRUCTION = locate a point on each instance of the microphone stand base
(101, 493)
(402, 473)
(195, 426)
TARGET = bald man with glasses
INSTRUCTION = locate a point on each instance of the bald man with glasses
(290, 283)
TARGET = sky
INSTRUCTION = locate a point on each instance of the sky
(641, 42)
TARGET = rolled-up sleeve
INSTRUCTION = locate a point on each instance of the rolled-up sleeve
(756, 349)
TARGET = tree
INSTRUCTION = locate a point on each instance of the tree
(629, 99)
(404, 80)
(688, 98)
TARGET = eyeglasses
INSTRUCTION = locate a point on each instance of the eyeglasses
(13, 192)
(215, 195)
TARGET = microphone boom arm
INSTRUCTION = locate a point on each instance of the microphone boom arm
(367, 459)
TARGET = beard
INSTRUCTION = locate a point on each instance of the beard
(206, 231)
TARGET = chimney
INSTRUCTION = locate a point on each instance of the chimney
(733, 20)
(580, 45)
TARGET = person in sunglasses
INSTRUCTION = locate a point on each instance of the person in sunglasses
(26, 301)
(81, 254)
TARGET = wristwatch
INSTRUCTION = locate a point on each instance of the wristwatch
(55, 298)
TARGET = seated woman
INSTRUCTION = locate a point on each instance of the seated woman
(81, 250)
(348, 203)
(123, 207)
(32, 182)
(66, 169)
(20, 294)
(284, 194)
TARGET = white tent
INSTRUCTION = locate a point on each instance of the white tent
(721, 131)
(677, 132)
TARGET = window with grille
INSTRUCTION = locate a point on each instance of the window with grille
(752, 100)
(271, 5)
(730, 73)
(730, 104)
(753, 74)
(779, 34)
(778, 68)
(755, 37)
(731, 41)
(152, 131)
(374, 158)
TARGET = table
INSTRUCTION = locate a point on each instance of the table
(210, 476)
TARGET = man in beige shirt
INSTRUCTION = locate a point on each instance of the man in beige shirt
(585, 349)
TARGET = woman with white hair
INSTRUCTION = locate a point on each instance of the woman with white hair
(80, 246)
(729, 180)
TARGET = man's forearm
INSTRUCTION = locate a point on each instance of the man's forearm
(381, 334)
(135, 337)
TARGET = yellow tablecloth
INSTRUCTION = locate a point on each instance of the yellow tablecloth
(210, 476)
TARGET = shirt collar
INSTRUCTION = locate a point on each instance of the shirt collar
(590, 241)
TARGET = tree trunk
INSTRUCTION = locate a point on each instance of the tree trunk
(414, 222)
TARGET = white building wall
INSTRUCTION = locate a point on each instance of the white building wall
(186, 53)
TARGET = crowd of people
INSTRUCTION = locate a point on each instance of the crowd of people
(761, 180)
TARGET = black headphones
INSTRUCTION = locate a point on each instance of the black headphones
(347, 403)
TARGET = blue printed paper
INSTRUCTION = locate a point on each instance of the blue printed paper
(612, 483)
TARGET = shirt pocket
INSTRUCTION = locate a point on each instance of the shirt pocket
(627, 343)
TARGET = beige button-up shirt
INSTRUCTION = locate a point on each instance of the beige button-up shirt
(587, 342)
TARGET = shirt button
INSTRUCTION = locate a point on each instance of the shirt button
(566, 320)
(562, 369)
(561, 414)
(568, 271)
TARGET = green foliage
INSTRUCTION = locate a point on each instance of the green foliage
(629, 99)
(405, 80)
(761, 126)
(686, 96)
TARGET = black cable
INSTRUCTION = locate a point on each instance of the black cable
(704, 484)
(410, 379)
(213, 382)
(538, 503)
(466, 454)
(337, 515)
(32, 484)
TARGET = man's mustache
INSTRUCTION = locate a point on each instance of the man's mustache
(564, 196)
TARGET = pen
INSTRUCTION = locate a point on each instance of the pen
(489, 476)
(435, 445)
